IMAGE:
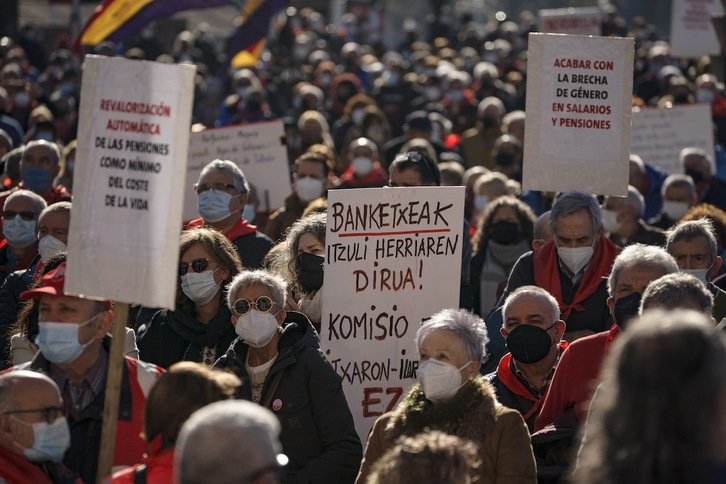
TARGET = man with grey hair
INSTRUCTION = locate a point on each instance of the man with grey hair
(577, 372)
(20, 223)
(677, 291)
(622, 219)
(533, 333)
(477, 144)
(572, 266)
(693, 245)
(701, 167)
(679, 195)
(222, 192)
(230, 442)
(364, 167)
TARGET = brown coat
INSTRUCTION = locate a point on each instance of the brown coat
(505, 449)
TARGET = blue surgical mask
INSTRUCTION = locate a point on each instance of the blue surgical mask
(51, 440)
(214, 205)
(35, 178)
(200, 287)
(18, 232)
(58, 342)
(249, 212)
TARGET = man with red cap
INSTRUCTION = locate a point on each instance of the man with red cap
(74, 351)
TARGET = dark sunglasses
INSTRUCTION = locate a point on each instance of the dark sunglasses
(198, 265)
(49, 413)
(9, 214)
(263, 304)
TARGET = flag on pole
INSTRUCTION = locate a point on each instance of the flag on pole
(248, 40)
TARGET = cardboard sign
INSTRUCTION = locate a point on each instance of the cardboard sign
(258, 149)
(133, 138)
(393, 258)
(692, 32)
(578, 113)
(577, 21)
(659, 135)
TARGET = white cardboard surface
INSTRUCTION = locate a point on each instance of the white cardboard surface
(692, 32)
(577, 21)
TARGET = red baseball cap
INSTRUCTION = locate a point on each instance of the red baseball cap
(53, 283)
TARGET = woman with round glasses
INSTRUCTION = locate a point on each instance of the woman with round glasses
(278, 360)
(198, 329)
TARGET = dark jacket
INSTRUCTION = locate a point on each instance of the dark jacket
(173, 336)
(283, 218)
(646, 234)
(662, 221)
(10, 302)
(252, 249)
(318, 435)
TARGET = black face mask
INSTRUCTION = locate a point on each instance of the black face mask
(488, 122)
(529, 344)
(696, 175)
(504, 159)
(626, 308)
(311, 271)
(505, 232)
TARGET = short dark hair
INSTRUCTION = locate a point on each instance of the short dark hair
(317, 158)
(424, 165)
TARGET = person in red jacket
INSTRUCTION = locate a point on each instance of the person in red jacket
(365, 170)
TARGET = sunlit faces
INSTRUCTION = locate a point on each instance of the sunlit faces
(693, 253)
(574, 230)
(197, 251)
(221, 178)
(445, 346)
(311, 245)
(40, 156)
(634, 279)
(310, 169)
(36, 394)
(409, 177)
(528, 309)
(254, 291)
(54, 224)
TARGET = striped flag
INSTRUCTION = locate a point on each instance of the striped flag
(248, 40)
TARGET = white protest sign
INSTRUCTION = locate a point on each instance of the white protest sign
(578, 113)
(692, 32)
(393, 258)
(133, 139)
(658, 135)
(578, 21)
(258, 149)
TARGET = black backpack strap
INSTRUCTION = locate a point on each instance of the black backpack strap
(140, 474)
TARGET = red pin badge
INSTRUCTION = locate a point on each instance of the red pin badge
(277, 405)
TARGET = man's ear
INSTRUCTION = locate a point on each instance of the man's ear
(717, 263)
(6, 431)
(561, 328)
(611, 306)
(105, 320)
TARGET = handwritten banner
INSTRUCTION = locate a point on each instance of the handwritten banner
(577, 21)
(393, 256)
(257, 148)
(659, 135)
(578, 113)
(132, 138)
(692, 32)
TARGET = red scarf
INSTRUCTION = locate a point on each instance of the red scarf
(16, 469)
(241, 227)
(547, 273)
(515, 385)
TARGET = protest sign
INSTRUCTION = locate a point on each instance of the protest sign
(258, 149)
(393, 258)
(692, 32)
(133, 138)
(658, 135)
(577, 21)
(578, 113)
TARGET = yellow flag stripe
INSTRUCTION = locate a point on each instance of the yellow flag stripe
(115, 15)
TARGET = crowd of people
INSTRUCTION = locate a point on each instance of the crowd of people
(587, 344)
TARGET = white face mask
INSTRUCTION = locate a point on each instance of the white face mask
(49, 246)
(675, 210)
(610, 221)
(50, 440)
(480, 202)
(575, 258)
(362, 165)
(308, 188)
(699, 274)
(440, 381)
(256, 328)
(357, 116)
(200, 287)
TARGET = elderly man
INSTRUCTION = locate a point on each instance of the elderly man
(19, 221)
(364, 170)
(576, 375)
(222, 192)
(477, 144)
(33, 431)
(622, 219)
(572, 266)
(677, 291)
(701, 167)
(74, 344)
(693, 245)
(230, 442)
(679, 195)
(533, 333)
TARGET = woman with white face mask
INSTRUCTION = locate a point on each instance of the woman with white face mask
(278, 359)
(198, 329)
(452, 397)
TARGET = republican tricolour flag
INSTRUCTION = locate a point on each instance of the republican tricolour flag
(248, 40)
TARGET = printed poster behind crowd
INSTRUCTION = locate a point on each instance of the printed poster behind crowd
(577, 21)
(578, 113)
(692, 32)
(133, 138)
(393, 258)
(658, 135)
(257, 148)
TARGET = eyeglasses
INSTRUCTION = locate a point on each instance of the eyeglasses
(8, 214)
(220, 187)
(263, 304)
(49, 413)
(198, 265)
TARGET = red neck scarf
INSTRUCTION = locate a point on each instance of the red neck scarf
(240, 228)
(547, 273)
(515, 385)
(17, 469)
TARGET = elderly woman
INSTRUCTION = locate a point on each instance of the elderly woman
(451, 397)
(277, 358)
(198, 328)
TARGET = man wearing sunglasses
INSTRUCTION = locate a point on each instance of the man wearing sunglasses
(19, 220)
(33, 431)
(222, 192)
